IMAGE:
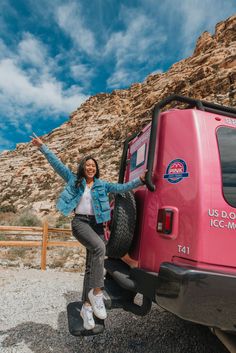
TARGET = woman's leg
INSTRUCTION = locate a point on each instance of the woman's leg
(94, 275)
(86, 277)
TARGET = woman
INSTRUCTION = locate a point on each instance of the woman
(87, 196)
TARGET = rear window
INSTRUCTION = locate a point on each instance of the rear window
(138, 158)
(227, 146)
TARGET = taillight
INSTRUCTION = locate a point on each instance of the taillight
(165, 220)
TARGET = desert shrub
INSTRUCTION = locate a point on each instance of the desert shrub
(6, 218)
(8, 208)
(63, 222)
(28, 219)
(15, 253)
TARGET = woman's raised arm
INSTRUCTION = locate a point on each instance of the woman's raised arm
(54, 161)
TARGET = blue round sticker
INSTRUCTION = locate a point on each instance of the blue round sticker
(176, 171)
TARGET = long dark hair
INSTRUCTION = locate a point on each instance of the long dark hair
(80, 171)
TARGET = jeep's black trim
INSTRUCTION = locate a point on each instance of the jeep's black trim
(146, 282)
(140, 310)
(204, 297)
(133, 279)
(116, 296)
(124, 157)
(193, 103)
(121, 274)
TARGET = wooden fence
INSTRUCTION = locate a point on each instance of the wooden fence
(44, 243)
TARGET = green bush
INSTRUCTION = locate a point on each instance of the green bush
(63, 222)
(8, 208)
(27, 219)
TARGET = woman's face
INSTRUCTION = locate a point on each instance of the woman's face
(90, 169)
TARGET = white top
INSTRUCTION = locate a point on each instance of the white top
(85, 205)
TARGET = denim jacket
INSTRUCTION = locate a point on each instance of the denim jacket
(71, 195)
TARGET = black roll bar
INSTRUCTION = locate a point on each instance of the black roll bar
(193, 103)
(124, 157)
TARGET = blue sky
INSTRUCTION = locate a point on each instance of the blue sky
(54, 54)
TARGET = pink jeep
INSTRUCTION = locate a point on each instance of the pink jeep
(179, 229)
(185, 236)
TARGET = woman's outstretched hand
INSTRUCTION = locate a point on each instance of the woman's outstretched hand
(36, 141)
(143, 176)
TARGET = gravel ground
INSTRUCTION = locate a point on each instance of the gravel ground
(33, 320)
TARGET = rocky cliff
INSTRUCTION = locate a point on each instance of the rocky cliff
(101, 124)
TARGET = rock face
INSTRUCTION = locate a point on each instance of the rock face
(103, 122)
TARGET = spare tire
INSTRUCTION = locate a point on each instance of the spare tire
(122, 225)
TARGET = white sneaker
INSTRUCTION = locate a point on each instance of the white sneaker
(86, 313)
(97, 305)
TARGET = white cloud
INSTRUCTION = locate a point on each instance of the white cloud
(28, 127)
(4, 51)
(186, 20)
(48, 94)
(198, 18)
(82, 72)
(31, 50)
(121, 77)
(133, 46)
(169, 27)
(29, 86)
(71, 20)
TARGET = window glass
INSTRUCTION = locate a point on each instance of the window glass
(138, 158)
(227, 146)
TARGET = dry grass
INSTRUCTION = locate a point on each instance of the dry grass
(6, 218)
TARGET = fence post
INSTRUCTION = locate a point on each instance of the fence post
(44, 245)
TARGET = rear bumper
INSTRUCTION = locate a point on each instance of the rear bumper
(208, 298)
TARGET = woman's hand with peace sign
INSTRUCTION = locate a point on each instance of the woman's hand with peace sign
(36, 141)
